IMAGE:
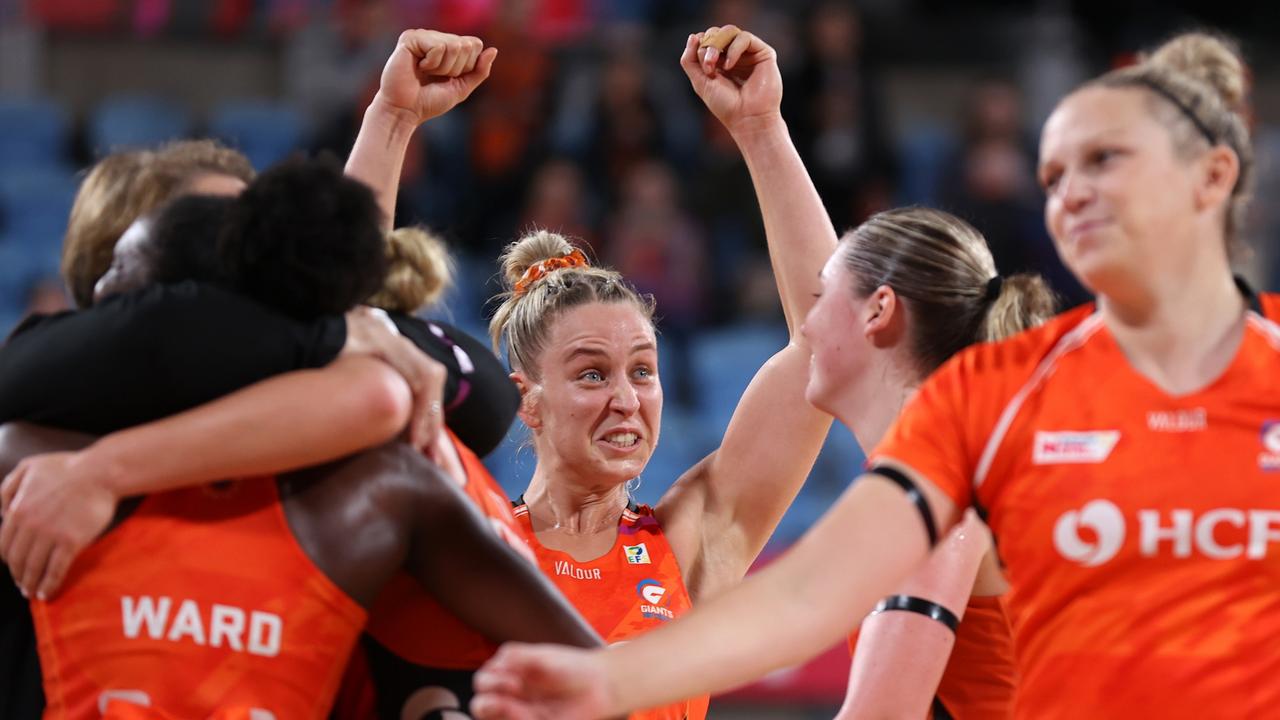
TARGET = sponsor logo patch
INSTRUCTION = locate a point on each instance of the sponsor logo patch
(636, 554)
(1071, 447)
(654, 600)
(1269, 458)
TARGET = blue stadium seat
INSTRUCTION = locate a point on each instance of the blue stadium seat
(683, 442)
(134, 122)
(266, 132)
(34, 204)
(33, 133)
(723, 363)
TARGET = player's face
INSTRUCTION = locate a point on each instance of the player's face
(1116, 191)
(600, 401)
(832, 331)
(131, 262)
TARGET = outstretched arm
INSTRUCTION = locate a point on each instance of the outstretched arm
(733, 500)
(427, 74)
(795, 607)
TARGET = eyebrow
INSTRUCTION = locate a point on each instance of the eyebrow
(596, 352)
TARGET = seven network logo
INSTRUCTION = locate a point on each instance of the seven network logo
(1094, 534)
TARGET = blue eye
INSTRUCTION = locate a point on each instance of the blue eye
(592, 375)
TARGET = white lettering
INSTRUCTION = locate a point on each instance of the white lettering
(1176, 421)
(1264, 527)
(1205, 527)
(226, 622)
(567, 569)
(264, 633)
(187, 622)
(144, 610)
(1153, 533)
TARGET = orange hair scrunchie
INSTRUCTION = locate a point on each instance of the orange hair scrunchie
(541, 269)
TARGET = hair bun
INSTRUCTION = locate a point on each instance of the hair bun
(1209, 59)
(421, 269)
(529, 250)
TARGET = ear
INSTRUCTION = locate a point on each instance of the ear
(1220, 171)
(529, 395)
(881, 316)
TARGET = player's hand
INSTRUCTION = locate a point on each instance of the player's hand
(430, 72)
(739, 84)
(371, 332)
(541, 682)
(53, 507)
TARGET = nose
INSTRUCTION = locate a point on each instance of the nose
(1075, 191)
(625, 399)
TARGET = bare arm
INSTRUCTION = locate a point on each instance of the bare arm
(275, 425)
(427, 74)
(794, 608)
(733, 501)
(901, 656)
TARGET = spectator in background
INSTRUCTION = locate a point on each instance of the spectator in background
(331, 62)
(835, 115)
(654, 243)
(558, 201)
(991, 183)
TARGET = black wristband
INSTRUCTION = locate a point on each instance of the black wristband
(928, 608)
(914, 495)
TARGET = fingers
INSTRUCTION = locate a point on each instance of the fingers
(714, 42)
(689, 58)
(740, 44)
(497, 707)
(16, 557)
(33, 567)
(9, 488)
(442, 54)
(484, 64)
(55, 572)
(9, 530)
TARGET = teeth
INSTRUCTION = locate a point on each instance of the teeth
(621, 439)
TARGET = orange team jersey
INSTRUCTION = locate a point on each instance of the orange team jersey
(1140, 532)
(199, 604)
(416, 656)
(631, 589)
(981, 674)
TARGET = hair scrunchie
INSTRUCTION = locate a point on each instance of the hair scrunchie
(542, 268)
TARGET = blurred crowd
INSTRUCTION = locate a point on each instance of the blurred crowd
(587, 126)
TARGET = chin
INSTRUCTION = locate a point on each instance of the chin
(817, 396)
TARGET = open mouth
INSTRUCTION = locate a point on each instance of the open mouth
(622, 439)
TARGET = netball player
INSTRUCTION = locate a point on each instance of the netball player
(1138, 585)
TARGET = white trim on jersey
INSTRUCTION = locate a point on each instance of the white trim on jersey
(1269, 329)
(1071, 341)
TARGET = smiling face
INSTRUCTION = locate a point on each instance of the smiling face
(1119, 199)
(596, 408)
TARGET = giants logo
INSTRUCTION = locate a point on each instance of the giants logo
(1218, 534)
(653, 599)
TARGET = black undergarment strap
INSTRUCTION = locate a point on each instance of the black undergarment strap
(928, 608)
(632, 505)
(1250, 297)
(914, 495)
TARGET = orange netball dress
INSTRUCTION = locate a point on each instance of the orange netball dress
(1140, 531)
(199, 604)
(415, 655)
(633, 588)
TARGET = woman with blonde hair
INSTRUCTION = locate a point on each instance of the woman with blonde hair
(1137, 588)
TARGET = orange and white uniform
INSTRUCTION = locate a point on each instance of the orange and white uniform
(633, 588)
(200, 604)
(981, 674)
(416, 656)
(1140, 531)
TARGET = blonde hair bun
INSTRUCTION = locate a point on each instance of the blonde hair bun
(421, 270)
(529, 250)
(1209, 59)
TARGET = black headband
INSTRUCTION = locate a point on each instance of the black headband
(1167, 94)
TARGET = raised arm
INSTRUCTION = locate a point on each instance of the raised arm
(793, 608)
(427, 74)
(732, 501)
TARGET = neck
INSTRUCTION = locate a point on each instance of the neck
(1180, 332)
(568, 505)
(869, 413)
